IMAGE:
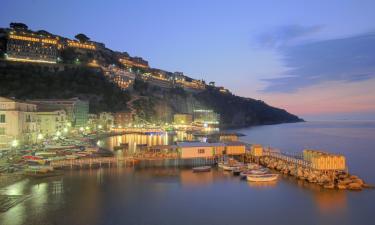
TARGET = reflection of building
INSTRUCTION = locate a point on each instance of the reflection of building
(122, 118)
(17, 122)
(182, 119)
(77, 110)
(50, 122)
(206, 116)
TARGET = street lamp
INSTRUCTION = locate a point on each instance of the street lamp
(40, 136)
(14, 143)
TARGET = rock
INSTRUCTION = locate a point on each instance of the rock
(341, 186)
(329, 186)
(346, 181)
(354, 186)
(368, 186)
(358, 181)
(353, 177)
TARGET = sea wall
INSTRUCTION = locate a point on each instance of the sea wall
(327, 179)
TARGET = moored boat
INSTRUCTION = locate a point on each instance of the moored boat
(262, 177)
(201, 169)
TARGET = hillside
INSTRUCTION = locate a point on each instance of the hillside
(29, 81)
(151, 103)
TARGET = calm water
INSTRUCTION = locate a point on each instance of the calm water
(178, 196)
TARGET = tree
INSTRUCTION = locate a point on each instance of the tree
(82, 37)
(20, 26)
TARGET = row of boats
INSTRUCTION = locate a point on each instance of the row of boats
(251, 172)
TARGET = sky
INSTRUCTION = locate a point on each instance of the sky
(313, 58)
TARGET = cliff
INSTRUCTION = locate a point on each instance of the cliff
(150, 103)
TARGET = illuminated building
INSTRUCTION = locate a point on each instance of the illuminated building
(106, 119)
(76, 110)
(31, 47)
(51, 122)
(122, 118)
(182, 119)
(206, 117)
(77, 44)
(18, 122)
(134, 62)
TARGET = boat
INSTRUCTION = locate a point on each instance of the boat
(262, 177)
(244, 174)
(221, 164)
(201, 169)
(230, 167)
(236, 172)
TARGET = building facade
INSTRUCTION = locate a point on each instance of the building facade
(76, 110)
(23, 45)
(182, 119)
(206, 116)
(18, 122)
(106, 120)
(52, 122)
(122, 119)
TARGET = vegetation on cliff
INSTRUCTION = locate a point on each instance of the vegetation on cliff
(150, 103)
(33, 82)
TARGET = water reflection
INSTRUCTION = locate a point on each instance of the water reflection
(132, 142)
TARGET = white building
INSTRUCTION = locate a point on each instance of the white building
(18, 122)
(52, 122)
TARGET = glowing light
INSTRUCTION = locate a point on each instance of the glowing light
(100, 126)
(65, 130)
(58, 133)
(81, 129)
(40, 136)
(14, 143)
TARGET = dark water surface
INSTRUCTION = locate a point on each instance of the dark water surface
(178, 196)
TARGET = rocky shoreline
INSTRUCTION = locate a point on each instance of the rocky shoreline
(330, 180)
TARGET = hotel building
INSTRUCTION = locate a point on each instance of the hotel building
(27, 46)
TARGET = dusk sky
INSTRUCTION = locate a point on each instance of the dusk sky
(314, 58)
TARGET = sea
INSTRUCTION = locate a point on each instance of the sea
(177, 196)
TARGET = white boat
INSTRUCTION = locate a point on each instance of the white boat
(262, 177)
(201, 169)
(230, 167)
(244, 174)
(221, 164)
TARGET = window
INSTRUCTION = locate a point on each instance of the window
(2, 130)
(2, 118)
(201, 151)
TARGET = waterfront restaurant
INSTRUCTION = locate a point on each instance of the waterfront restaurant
(188, 150)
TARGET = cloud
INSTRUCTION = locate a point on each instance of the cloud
(350, 59)
(286, 35)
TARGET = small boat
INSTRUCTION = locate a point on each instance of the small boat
(236, 172)
(244, 174)
(221, 164)
(230, 167)
(262, 177)
(201, 169)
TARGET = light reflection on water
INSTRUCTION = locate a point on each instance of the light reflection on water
(179, 196)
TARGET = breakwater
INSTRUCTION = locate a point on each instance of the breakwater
(304, 170)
